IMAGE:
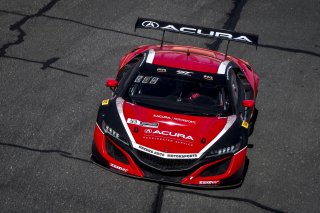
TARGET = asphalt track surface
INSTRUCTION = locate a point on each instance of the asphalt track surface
(54, 59)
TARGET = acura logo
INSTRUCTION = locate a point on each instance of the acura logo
(148, 131)
(178, 28)
(150, 24)
(168, 133)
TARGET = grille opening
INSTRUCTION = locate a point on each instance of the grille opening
(115, 153)
(163, 163)
(217, 169)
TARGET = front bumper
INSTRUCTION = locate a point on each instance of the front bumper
(205, 176)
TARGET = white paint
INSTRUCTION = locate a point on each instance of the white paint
(223, 67)
(150, 57)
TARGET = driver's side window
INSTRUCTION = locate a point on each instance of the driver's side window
(128, 67)
(241, 90)
(237, 90)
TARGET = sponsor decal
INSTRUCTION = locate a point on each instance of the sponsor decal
(161, 70)
(208, 77)
(150, 24)
(118, 167)
(105, 102)
(162, 116)
(141, 123)
(183, 72)
(154, 80)
(153, 152)
(138, 79)
(168, 133)
(181, 156)
(158, 138)
(184, 120)
(162, 139)
(245, 124)
(146, 79)
(107, 129)
(209, 182)
(167, 155)
(200, 31)
(174, 118)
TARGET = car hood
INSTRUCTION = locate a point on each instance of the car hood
(152, 130)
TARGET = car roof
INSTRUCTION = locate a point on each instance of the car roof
(186, 57)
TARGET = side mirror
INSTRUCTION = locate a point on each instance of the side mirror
(248, 103)
(112, 84)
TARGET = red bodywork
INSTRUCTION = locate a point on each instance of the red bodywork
(194, 178)
(199, 59)
(178, 133)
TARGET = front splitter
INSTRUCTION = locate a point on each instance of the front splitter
(230, 183)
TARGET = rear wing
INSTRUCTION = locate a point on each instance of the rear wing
(196, 31)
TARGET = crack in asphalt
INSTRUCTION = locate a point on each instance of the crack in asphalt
(48, 151)
(252, 202)
(46, 64)
(89, 25)
(35, 150)
(159, 198)
(17, 26)
(232, 20)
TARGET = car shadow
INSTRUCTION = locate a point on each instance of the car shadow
(253, 121)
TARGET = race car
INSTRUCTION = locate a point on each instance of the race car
(179, 114)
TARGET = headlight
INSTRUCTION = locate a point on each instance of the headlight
(225, 150)
(109, 131)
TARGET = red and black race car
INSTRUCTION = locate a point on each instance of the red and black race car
(179, 114)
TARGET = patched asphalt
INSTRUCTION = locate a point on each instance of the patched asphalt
(54, 59)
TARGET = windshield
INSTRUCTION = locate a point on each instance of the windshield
(179, 91)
